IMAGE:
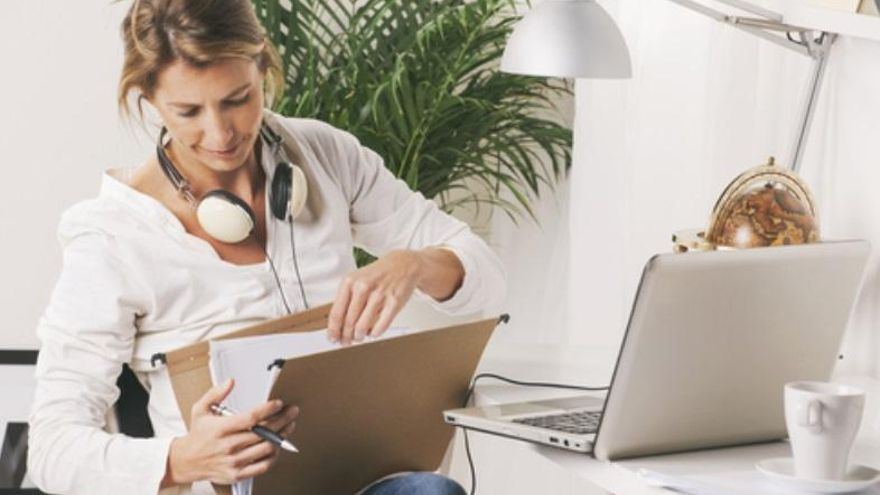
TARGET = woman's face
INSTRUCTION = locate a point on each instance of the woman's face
(212, 113)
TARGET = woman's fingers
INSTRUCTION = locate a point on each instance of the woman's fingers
(367, 319)
(282, 422)
(281, 419)
(336, 318)
(247, 420)
(254, 453)
(392, 307)
(352, 297)
(360, 294)
(256, 468)
(214, 396)
(239, 441)
(288, 430)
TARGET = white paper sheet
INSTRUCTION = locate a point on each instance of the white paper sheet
(730, 483)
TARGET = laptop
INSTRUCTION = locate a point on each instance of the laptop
(711, 340)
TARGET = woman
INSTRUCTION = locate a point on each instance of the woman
(145, 269)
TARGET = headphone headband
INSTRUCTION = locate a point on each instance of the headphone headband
(272, 138)
(269, 135)
(170, 171)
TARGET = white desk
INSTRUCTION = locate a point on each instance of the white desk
(620, 477)
(513, 467)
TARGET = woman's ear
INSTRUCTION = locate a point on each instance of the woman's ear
(150, 115)
(152, 109)
(140, 104)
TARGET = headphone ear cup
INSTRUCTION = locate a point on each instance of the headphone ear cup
(225, 217)
(280, 194)
(299, 191)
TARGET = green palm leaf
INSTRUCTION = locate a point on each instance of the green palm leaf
(417, 81)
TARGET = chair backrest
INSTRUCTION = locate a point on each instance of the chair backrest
(131, 408)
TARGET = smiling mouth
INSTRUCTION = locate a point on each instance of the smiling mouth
(227, 152)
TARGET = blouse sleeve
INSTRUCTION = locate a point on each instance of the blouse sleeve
(87, 332)
(386, 214)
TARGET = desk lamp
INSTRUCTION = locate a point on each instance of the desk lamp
(567, 38)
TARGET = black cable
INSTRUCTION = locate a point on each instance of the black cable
(528, 384)
(302, 289)
(470, 392)
(467, 451)
(277, 281)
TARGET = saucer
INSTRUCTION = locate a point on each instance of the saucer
(781, 470)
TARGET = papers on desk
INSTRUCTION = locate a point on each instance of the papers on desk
(249, 360)
(731, 483)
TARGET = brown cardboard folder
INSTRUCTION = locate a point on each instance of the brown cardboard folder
(366, 411)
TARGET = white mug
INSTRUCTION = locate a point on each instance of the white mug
(822, 420)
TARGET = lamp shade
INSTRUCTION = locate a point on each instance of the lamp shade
(567, 38)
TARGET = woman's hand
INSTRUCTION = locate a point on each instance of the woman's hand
(369, 298)
(223, 449)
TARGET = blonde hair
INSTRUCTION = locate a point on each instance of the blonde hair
(157, 33)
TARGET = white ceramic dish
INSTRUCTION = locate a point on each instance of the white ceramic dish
(781, 470)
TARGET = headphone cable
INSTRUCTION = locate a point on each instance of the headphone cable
(277, 281)
(302, 289)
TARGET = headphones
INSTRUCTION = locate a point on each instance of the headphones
(223, 215)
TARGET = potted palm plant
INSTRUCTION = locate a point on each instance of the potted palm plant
(417, 81)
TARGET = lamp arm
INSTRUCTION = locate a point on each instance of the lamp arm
(816, 45)
(754, 9)
(820, 49)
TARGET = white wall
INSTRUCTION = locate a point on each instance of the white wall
(706, 102)
(58, 130)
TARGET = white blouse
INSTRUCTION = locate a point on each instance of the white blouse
(135, 283)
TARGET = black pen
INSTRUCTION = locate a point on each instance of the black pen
(260, 431)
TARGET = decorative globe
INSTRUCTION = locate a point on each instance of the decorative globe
(764, 206)
(766, 215)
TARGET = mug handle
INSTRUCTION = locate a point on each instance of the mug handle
(810, 415)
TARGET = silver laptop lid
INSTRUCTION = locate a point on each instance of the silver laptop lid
(714, 336)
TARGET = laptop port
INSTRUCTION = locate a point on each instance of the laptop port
(554, 440)
(566, 443)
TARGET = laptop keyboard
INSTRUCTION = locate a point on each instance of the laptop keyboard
(578, 422)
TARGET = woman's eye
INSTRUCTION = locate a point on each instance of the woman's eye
(189, 113)
(240, 101)
(193, 111)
